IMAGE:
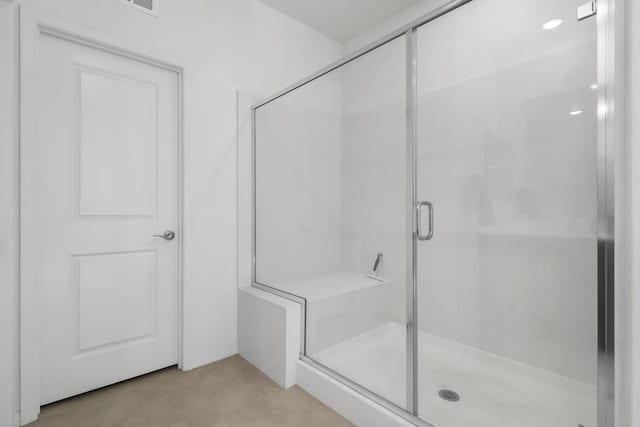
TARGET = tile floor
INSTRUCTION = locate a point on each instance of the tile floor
(228, 393)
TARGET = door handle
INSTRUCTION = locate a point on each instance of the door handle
(167, 235)
(419, 234)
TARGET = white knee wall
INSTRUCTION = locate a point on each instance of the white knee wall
(269, 334)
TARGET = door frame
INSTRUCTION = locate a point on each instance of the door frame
(30, 28)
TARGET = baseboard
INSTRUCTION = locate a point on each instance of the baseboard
(207, 359)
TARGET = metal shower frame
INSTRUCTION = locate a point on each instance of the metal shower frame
(606, 147)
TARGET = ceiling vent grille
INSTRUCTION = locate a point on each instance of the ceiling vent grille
(149, 6)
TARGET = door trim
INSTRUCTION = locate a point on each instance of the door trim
(30, 28)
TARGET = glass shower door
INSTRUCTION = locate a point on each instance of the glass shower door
(332, 215)
(507, 156)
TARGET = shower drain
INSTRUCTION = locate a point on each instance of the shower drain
(448, 395)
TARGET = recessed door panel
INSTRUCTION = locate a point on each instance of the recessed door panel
(117, 296)
(118, 142)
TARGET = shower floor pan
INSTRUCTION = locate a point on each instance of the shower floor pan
(493, 391)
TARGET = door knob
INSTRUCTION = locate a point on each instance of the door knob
(167, 235)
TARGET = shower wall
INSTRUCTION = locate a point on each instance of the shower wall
(298, 217)
(517, 257)
(374, 172)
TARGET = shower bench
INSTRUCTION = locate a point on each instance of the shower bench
(340, 305)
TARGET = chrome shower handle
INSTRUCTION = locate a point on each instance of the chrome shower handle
(419, 234)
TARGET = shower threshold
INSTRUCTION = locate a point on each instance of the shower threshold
(492, 391)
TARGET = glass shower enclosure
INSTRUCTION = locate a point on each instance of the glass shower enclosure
(436, 203)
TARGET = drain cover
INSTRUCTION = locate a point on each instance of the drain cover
(449, 395)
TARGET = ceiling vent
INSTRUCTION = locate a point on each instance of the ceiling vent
(149, 6)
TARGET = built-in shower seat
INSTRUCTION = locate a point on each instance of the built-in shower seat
(341, 305)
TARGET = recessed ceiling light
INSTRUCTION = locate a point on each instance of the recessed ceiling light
(550, 25)
(576, 112)
(593, 86)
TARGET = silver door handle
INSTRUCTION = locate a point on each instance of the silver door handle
(167, 235)
(419, 233)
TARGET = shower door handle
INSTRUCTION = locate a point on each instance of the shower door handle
(419, 233)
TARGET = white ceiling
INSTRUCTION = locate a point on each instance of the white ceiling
(339, 19)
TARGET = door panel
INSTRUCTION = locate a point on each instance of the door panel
(507, 154)
(126, 281)
(108, 182)
(118, 125)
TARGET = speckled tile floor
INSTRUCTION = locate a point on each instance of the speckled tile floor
(228, 393)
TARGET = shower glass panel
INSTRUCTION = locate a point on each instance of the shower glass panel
(332, 214)
(507, 155)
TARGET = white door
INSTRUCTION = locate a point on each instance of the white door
(108, 181)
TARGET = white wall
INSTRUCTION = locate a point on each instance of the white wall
(225, 45)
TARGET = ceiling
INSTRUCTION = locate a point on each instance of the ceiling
(339, 19)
